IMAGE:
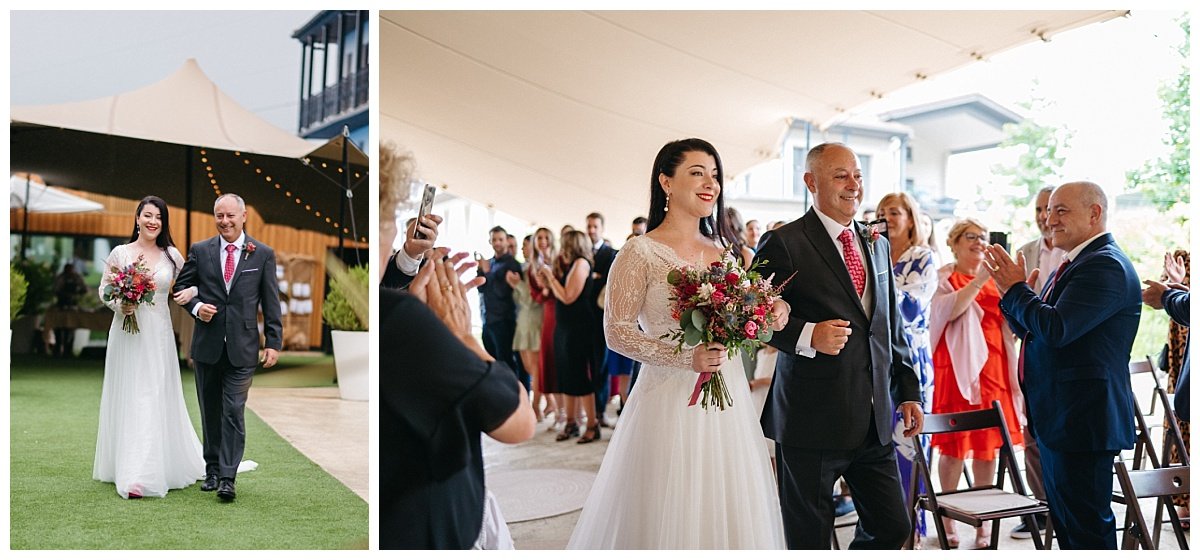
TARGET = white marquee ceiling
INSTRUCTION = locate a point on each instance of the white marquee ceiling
(551, 115)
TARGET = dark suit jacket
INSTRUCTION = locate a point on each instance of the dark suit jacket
(393, 277)
(1077, 342)
(823, 402)
(1178, 306)
(235, 326)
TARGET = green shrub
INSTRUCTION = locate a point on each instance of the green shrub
(346, 305)
(17, 286)
(40, 293)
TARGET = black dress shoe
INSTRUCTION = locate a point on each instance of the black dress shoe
(210, 483)
(225, 490)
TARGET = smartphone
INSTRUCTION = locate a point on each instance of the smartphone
(426, 207)
(999, 238)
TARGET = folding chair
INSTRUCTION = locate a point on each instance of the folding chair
(1143, 447)
(1160, 484)
(979, 505)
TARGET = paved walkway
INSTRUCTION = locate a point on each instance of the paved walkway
(333, 433)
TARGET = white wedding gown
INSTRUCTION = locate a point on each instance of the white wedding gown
(146, 443)
(674, 476)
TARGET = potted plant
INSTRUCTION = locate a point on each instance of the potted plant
(17, 287)
(345, 311)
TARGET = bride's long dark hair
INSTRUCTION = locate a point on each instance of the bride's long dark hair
(164, 236)
(666, 162)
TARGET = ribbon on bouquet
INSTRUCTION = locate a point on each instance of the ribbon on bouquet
(700, 381)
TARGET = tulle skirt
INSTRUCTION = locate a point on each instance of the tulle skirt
(145, 443)
(680, 477)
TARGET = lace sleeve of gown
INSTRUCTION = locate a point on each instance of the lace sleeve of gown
(628, 281)
(114, 259)
(176, 261)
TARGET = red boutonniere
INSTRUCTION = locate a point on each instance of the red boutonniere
(249, 250)
(870, 234)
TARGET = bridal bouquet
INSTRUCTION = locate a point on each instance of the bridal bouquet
(722, 303)
(132, 284)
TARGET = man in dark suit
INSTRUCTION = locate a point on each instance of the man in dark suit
(843, 362)
(1074, 368)
(226, 279)
(401, 266)
(603, 254)
(496, 302)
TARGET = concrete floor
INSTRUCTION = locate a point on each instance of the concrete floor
(552, 533)
(333, 433)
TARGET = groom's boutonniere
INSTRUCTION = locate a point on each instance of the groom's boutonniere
(870, 234)
(249, 250)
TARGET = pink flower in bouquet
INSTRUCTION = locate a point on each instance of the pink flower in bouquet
(751, 329)
(132, 284)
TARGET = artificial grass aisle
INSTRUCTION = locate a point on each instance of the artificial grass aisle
(288, 503)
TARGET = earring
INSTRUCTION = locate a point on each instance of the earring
(667, 206)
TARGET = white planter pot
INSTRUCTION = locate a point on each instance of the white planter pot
(351, 352)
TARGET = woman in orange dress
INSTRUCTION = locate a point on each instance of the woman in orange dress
(974, 363)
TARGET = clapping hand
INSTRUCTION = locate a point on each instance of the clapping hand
(1005, 271)
(512, 278)
(1174, 269)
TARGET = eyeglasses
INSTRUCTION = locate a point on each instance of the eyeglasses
(973, 237)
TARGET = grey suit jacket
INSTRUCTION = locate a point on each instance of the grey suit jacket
(235, 326)
(828, 402)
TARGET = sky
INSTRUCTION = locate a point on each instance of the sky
(63, 56)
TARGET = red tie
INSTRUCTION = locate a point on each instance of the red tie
(229, 249)
(1025, 341)
(853, 262)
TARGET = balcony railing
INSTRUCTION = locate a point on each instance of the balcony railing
(348, 95)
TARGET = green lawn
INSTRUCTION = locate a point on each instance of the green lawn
(288, 503)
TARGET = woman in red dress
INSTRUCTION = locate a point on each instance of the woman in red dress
(974, 363)
(544, 254)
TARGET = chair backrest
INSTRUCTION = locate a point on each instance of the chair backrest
(1150, 483)
(1174, 436)
(988, 418)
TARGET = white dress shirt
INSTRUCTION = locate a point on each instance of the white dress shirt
(238, 244)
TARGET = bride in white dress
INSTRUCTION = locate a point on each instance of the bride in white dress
(146, 443)
(674, 476)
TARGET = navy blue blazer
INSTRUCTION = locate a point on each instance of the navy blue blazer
(1078, 336)
(1177, 303)
(827, 402)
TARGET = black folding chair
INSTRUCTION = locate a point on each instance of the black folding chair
(1160, 484)
(983, 504)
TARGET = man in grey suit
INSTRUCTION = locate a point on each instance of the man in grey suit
(226, 279)
(1044, 256)
(843, 362)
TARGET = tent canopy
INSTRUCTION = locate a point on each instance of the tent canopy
(157, 139)
(551, 115)
(29, 194)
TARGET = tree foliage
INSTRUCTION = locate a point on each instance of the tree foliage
(1039, 162)
(1166, 181)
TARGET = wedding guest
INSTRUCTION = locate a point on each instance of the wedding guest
(916, 281)
(1177, 273)
(931, 242)
(1075, 360)
(638, 226)
(544, 255)
(603, 255)
(1045, 257)
(569, 281)
(439, 390)
(974, 363)
(496, 302)
(527, 341)
(753, 232)
(740, 247)
(69, 286)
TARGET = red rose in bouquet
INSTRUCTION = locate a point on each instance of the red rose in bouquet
(132, 284)
(723, 303)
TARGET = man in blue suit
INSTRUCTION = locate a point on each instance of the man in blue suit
(1075, 361)
(1177, 300)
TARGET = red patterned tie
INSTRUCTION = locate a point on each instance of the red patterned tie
(853, 262)
(1025, 341)
(229, 249)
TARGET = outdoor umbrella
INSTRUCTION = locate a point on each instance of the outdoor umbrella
(33, 196)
